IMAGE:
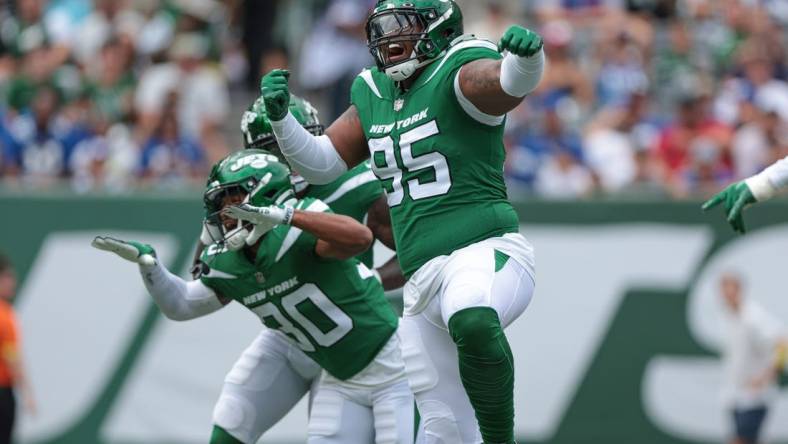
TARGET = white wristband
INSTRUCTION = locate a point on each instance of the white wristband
(762, 189)
(521, 75)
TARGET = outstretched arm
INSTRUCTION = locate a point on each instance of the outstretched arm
(319, 159)
(178, 299)
(496, 87)
(758, 188)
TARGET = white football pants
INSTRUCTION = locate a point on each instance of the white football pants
(469, 277)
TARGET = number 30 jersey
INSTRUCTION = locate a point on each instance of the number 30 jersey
(442, 170)
(335, 311)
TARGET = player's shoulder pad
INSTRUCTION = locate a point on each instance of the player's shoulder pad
(467, 49)
(370, 81)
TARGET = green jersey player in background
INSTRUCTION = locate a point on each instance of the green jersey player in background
(430, 116)
(357, 193)
(291, 262)
(271, 356)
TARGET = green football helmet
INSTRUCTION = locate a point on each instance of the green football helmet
(257, 131)
(256, 126)
(430, 26)
(250, 176)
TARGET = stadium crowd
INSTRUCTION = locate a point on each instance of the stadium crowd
(662, 97)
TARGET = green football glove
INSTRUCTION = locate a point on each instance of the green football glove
(136, 252)
(520, 41)
(735, 197)
(276, 94)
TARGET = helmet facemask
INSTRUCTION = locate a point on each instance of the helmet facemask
(214, 228)
(392, 33)
(404, 36)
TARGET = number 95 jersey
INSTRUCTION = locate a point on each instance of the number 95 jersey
(442, 169)
(335, 311)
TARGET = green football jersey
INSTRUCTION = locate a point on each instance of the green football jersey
(352, 195)
(442, 170)
(335, 311)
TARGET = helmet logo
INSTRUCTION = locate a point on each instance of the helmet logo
(398, 104)
(255, 161)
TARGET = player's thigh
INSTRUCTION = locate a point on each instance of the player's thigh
(260, 389)
(480, 276)
(432, 368)
(394, 414)
(336, 419)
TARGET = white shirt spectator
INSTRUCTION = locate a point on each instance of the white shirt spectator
(610, 154)
(750, 150)
(749, 352)
(202, 95)
(562, 178)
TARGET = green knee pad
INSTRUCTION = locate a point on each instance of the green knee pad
(486, 370)
(220, 436)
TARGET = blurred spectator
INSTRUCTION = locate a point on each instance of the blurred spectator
(202, 97)
(753, 357)
(111, 19)
(40, 140)
(695, 147)
(335, 52)
(170, 156)
(563, 176)
(107, 159)
(622, 71)
(615, 139)
(534, 153)
(13, 379)
(495, 20)
(563, 77)
(110, 82)
(761, 141)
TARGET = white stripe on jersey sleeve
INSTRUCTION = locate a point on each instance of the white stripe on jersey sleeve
(367, 76)
(469, 42)
(471, 109)
(317, 206)
(350, 185)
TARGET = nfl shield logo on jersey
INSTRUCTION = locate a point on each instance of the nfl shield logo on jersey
(398, 104)
(259, 277)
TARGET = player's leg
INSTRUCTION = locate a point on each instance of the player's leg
(394, 414)
(338, 418)
(260, 389)
(430, 357)
(476, 310)
(487, 291)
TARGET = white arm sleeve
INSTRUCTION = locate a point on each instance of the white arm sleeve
(313, 157)
(521, 75)
(178, 299)
(770, 181)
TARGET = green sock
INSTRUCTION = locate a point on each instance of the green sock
(220, 436)
(486, 370)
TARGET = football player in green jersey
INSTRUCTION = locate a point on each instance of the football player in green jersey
(430, 116)
(291, 262)
(357, 193)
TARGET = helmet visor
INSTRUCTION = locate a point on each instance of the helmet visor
(392, 35)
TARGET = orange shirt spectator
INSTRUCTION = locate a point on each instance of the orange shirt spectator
(12, 375)
(9, 350)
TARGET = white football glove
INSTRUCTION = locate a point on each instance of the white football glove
(264, 219)
(272, 215)
(136, 252)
